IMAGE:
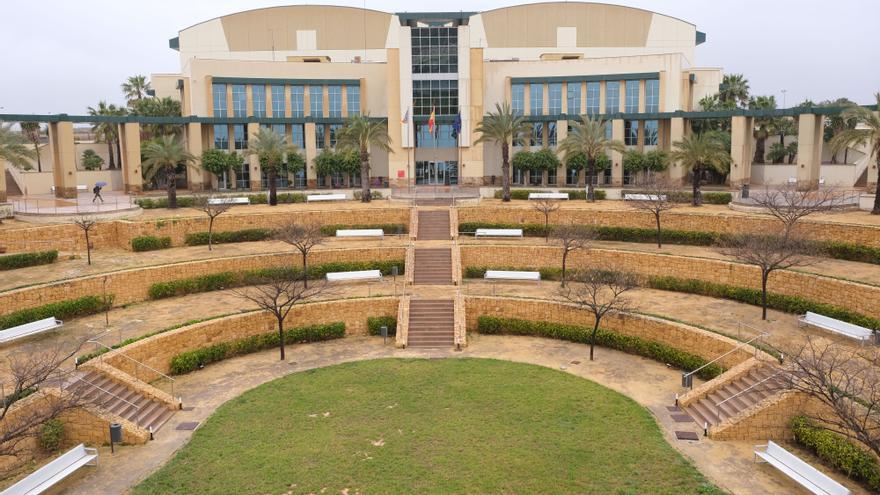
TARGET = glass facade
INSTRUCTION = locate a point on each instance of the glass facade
(442, 137)
(631, 132)
(537, 137)
(609, 129)
(593, 98)
(239, 136)
(554, 95)
(632, 96)
(333, 130)
(243, 176)
(297, 101)
(258, 93)
(551, 134)
(517, 98)
(574, 98)
(239, 100)
(652, 95)
(353, 100)
(280, 129)
(435, 50)
(221, 137)
(438, 173)
(297, 136)
(218, 92)
(316, 101)
(320, 136)
(279, 101)
(612, 97)
(441, 95)
(536, 99)
(651, 132)
(334, 100)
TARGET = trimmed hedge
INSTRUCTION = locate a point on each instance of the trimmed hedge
(604, 338)
(188, 201)
(710, 197)
(17, 396)
(62, 310)
(788, 304)
(387, 228)
(152, 203)
(375, 324)
(582, 194)
(204, 283)
(22, 260)
(850, 252)
(572, 193)
(837, 452)
(150, 243)
(620, 234)
(192, 360)
(246, 235)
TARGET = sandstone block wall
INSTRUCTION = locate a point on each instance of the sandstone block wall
(768, 419)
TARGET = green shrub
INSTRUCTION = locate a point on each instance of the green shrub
(291, 198)
(523, 194)
(581, 194)
(851, 252)
(632, 234)
(17, 396)
(711, 197)
(604, 338)
(246, 235)
(374, 194)
(51, 435)
(62, 310)
(387, 228)
(203, 283)
(150, 243)
(152, 203)
(717, 198)
(547, 273)
(375, 324)
(188, 361)
(838, 452)
(21, 260)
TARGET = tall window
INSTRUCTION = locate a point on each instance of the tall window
(239, 100)
(536, 99)
(434, 50)
(258, 93)
(632, 96)
(297, 101)
(221, 137)
(219, 96)
(574, 98)
(442, 137)
(609, 129)
(612, 97)
(551, 133)
(297, 136)
(334, 100)
(652, 95)
(651, 132)
(517, 98)
(240, 136)
(631, 132)
(316, 101)
(353, 100)
(279, 101)
(554, 93)
(592, 98)
(320, 136)
(280, 130)
(537, 138)
(334, 131)
(440, 95)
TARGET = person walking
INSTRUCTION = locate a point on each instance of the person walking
(97, 191)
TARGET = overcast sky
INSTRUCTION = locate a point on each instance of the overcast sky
(62, 56)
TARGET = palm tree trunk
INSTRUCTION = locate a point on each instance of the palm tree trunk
(171, 177)
(111, 163)
(698, 198)
(118, 151)
(505, 172)
(759, 150)
(365, 175)
(876, 210)
(37, 151)
(591, 172)
(273, 186)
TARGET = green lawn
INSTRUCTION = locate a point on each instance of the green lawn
(429, 426)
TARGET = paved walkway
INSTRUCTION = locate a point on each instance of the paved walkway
(728, 464)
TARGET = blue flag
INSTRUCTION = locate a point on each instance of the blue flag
(456, 126)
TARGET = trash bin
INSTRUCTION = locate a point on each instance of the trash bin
(687, 380)
(745, 191)
(116, 433)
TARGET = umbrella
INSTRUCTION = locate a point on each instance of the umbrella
(101, 184)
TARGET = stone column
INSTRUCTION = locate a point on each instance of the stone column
(195, 176)
(132, 177)
(64, 159)
(677, 173)
(561, 134)
(809, 155)
(742, 147)
(253, 161)
(872, 177)
(617, 157)
(311, 153)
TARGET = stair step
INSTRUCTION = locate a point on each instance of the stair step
(119, 399)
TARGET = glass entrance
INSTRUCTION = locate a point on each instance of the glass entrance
(437, 173)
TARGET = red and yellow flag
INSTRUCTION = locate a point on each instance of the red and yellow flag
(431, 121)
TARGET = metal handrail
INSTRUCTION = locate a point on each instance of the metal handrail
(102, 389)
(740, 346)
(154, 370)
(719, 404)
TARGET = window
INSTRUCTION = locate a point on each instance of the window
(442, 137)
(574, 98)
(517, 98)
(334, 130)
(219, 96)
(334, 100)
(297, 136)
(280, 130)
(571, 176)
(243, 176)
(631, 132)
(297, 101)
(551, 133)
(612, 97)
(609, 129)
(535, 177)
(316, 101)
(240, 136)
(239, 100)
(434, 50)
(652, 95)
(592, 98)
(353, 100)
(440, 95)
(519, 175)
(536, 99)
(320, 136)
(551, 177)
(555, 95)
(537, 138)
(221, 137)
(258, 93)
(279, 101)
(651, 132)
(632, 96)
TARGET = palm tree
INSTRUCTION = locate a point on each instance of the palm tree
(135, 88)
(734, 89)
(164, 155)
(699, 151)
(504, 127)
(107, 131)
(157, 107)
(835, 124)
(32, 131)
(360, 132)
(14, 148)
(588, 137)
(868, 133)
(764, 126)
(271, 148)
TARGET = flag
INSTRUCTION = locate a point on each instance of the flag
(456, 126)
(405, 119)
(431, 121)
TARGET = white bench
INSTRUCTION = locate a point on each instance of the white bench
(360, 233)
(792, 180)
(51, 474)
(644, 197)
(29, 329)
(840, 327)
(229, 201)
(512, 275)
(79, 188)
(548, 195)
(498, 233)
(357, 275)
(806, 475)
(326, 197)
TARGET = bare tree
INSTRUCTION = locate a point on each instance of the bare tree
(213, 207)
(571, 238)
(846, 381)
(656, 198)
(86, 224)
(600, 293)
(546, 207)
(769, 252)
(278, 295)
(303, 237)
(789, 205)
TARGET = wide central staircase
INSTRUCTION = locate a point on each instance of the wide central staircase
(736, 396)
(433, 225)
(431, 323)
(433, 266)
(97, 389)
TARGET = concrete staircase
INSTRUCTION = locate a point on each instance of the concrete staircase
(99, 390)
(12, 188)
(431, 323)
(433, 266)
(433, 225)
(746, 391)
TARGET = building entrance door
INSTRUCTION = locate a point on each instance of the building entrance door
(439, 173)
